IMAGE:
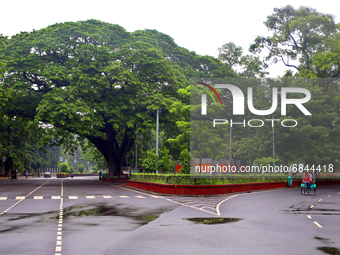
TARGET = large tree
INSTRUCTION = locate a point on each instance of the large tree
(99, 82)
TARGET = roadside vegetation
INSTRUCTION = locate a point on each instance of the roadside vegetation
(90, 91)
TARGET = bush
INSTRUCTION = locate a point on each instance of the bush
(81, 168)
(162, 162)
(186, 179)
(64, 168)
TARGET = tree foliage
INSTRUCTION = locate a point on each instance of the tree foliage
(303, 39)
(249, 66)
(93, 80)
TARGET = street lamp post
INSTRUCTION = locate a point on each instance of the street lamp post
(157, 135)
(75, 165)
(136, 159)
(61, 159)
(273, 144)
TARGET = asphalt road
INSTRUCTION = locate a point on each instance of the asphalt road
(85, 216)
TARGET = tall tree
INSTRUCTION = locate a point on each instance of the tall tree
(96, 80)
(249, 66)
(298, 36)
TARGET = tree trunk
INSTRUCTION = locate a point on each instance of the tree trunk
(7, 172)
(114, 152)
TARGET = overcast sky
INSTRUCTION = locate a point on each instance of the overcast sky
(200, 26)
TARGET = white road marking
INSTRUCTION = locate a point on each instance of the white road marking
(38, 197)
(124, 196)
(73, 197)
(338, 193)
(60, 222)
(309, 217)
(55, 197)
(320, 199)
(140, 197)
(218, 205)
(107, 197)
(328, 195)
(21, 198)
(90, 197)
(37, 188)
(179, 203)
(3, 198)
(311, 206)
(317, 224)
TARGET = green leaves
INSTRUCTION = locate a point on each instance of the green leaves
(301, 34)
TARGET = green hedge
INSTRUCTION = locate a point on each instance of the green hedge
(186, 179)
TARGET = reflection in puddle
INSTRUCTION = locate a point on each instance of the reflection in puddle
(103, 210)
(213, 220)
(324, 240)
(329, 250)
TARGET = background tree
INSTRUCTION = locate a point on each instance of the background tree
(300, 37)
(249, 66)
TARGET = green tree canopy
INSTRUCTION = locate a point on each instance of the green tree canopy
(100, 82)
(303, 39)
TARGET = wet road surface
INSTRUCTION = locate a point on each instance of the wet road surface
(85, 216)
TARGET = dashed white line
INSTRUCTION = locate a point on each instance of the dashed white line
(3, 198)
(73, 197)
(328, 195)
(140, 197)
(320, 199)
(55, 197)
(124, 196)
(90, 197)
(106, 196)
(317, 224)
(38, 197)
(21, 198)
(309, 217)
(60, 222)
(311, 206)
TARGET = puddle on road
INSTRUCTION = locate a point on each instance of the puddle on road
(299, 209)
(9, 229)
(20, 216)
(103, 210)
(213, 220)
(329, 250)
(324, 240)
